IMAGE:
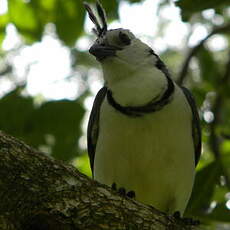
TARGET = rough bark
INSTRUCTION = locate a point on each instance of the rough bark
(37, 192)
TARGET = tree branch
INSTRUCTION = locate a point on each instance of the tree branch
(184, 69)
(37, 192)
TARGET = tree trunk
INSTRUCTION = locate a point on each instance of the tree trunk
(37, 192)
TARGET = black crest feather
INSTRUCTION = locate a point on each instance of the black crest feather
(99, 30)
(102, 16)
(92, 18)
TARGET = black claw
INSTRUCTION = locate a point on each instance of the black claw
(177, 215)
(122, 191)
(187, 221)
(131, 194)
(114, 186)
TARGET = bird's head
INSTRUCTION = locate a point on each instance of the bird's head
(118, 50)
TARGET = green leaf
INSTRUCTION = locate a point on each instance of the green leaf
(4, 19)
(197, 5)
(15, 114)
(47, 4)
(220, 213)
(111, 9)
(69, 19)
(200, 93)
(225, 149)
(189, 7)
(203, 190)
(61, 121)
(134, 1)
(23, 16)
(54, 125)
(83, 165)
(209, 69)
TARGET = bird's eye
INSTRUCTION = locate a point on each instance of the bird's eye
(124, 38)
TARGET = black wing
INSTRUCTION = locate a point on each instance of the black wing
(196, 130)
(93, 125)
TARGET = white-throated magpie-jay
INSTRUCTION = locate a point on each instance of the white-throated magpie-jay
(143, 132)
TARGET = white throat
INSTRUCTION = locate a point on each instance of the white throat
(139, 88)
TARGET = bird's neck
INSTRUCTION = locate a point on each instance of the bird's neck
(140, 88)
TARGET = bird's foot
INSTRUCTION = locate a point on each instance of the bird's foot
(122, 191)
(187, 221)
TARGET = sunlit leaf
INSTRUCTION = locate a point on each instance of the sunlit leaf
(225, 148)
(24, 17)
(47, 4)
(2, 35)
(4, 19)
(83, 165)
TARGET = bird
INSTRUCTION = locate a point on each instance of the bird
(143, 134)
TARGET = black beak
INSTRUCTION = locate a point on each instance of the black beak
(103, 51)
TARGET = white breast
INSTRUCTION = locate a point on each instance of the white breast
(152, 155)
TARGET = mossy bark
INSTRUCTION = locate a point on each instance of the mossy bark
(37, 192)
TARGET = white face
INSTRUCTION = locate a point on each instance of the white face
(131, 55)
(133, 51)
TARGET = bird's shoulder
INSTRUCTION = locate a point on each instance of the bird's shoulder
(196, 129)
(93, 124)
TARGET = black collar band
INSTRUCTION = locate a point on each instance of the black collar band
(152, 106)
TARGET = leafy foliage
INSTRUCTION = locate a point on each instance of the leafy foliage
(206, 179)
(30, 18)
(190, 7)
(54, 125)
(68, 13)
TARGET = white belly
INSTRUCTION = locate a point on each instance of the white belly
(152, 155)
